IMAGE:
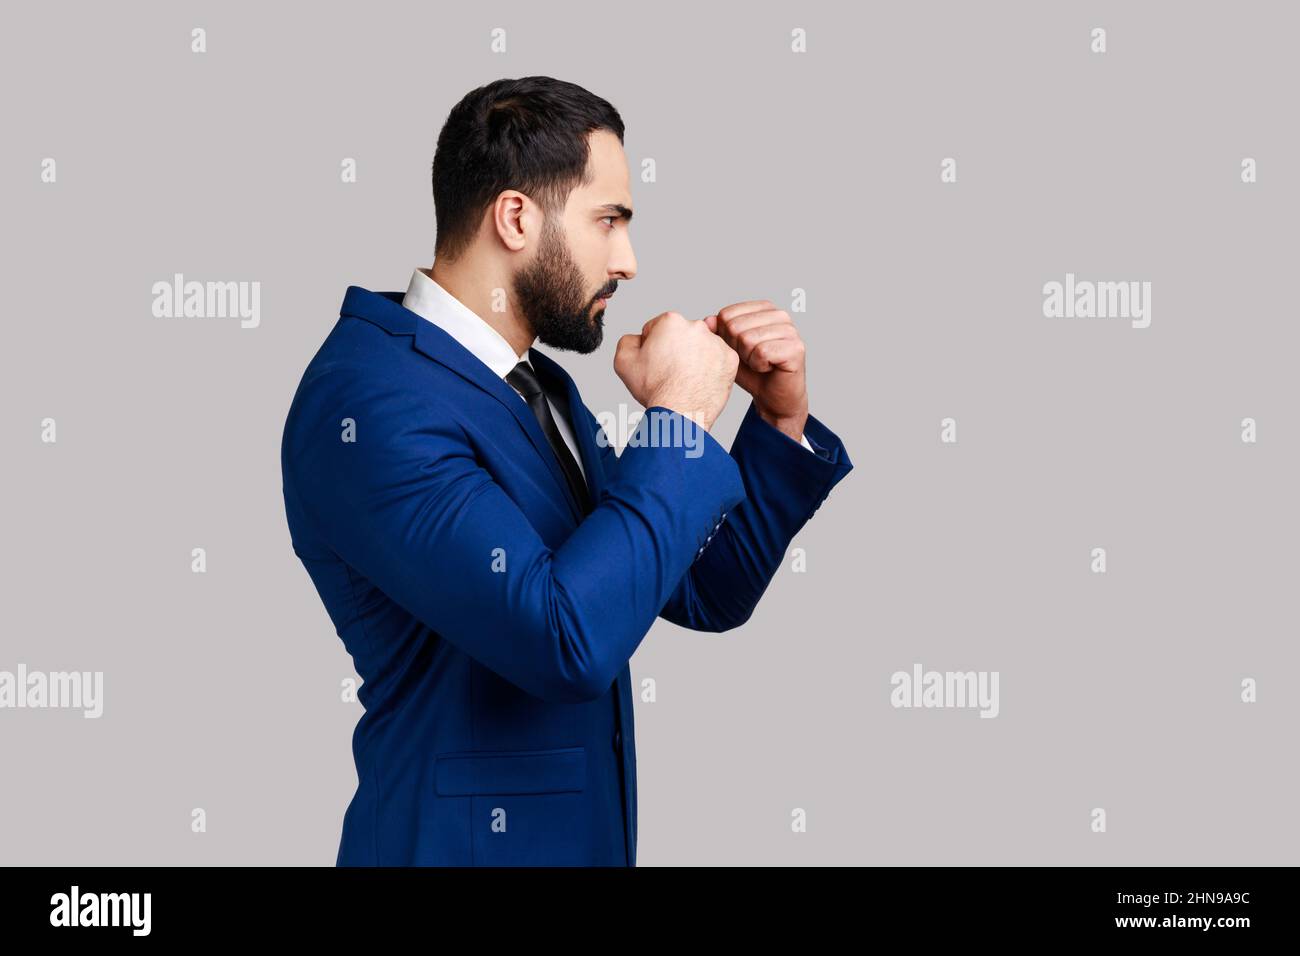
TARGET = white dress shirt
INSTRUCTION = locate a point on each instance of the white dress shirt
(428, 299)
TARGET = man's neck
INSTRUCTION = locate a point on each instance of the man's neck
(474, 290)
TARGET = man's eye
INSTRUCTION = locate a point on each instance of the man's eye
(611, 220)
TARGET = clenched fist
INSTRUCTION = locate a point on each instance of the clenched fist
(678, 364)
(771, 361)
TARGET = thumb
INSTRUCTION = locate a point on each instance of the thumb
(712, 322)
(627, 348)
(747, 378)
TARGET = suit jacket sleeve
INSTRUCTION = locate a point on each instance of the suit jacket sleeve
(784, 486)
(408, 506)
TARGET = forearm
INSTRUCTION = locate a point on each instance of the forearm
(785, 484)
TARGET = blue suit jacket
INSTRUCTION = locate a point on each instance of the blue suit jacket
(491, 622)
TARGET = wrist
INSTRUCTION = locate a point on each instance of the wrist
(791, 425)
(701, 416)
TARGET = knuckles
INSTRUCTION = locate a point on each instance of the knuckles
(727, 313)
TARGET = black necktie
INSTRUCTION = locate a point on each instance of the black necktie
(525, 380)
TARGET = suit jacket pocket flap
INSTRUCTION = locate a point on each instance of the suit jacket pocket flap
(510, 771)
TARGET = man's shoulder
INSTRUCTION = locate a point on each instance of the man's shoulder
(360, 370)
(357, 352)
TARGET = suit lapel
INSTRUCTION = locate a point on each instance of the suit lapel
(548, 368)
(385, 310)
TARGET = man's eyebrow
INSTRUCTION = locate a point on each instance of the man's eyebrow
(618, 208)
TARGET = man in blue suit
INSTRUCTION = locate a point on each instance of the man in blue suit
(489, 561)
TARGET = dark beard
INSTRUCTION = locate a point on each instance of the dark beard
(550, 295)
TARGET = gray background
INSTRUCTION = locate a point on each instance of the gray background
(775, 171)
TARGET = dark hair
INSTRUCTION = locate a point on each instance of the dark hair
(528, 134)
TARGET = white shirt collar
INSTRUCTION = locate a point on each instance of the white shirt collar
(431, 301)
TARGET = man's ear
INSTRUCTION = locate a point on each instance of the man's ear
(508, 219)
